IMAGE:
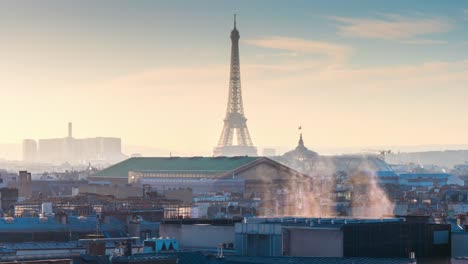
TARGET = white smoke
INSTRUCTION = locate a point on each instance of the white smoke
(317, 197)
(369, 199)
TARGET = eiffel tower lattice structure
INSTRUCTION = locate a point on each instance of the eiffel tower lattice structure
(235, 138)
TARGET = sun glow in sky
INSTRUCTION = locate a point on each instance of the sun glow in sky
(155, 73)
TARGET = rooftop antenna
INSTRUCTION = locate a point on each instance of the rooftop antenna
(301, 142)
(234, 21)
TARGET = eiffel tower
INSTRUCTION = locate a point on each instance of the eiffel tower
(235, 139)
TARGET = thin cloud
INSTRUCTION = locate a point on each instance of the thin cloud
(424, 41)
(393, 27)
(331, 50)
(436, 75)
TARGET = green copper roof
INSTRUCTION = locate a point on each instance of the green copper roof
(121, 169)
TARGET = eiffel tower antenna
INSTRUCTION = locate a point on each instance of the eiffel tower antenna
(235, 138)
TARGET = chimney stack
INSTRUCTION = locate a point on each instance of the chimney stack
(70, 129)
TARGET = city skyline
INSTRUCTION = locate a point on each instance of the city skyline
(152, 73)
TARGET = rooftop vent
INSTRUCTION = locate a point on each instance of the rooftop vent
(9, 219)
(82, 218)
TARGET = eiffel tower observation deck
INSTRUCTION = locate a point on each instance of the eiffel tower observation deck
(235, 138)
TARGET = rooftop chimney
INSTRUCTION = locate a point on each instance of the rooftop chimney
(70, 130)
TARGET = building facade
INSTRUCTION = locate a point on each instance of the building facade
(73, 150)
(279, 187)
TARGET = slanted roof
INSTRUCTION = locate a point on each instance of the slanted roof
(219, 164)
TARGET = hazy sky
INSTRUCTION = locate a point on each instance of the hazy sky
(155, 73)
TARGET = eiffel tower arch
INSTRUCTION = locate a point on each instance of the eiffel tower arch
(235, 138)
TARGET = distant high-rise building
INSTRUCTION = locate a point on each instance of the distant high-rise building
(235, 138)
(29, 150)
(24, 184)
(73, 150)
(54, 150)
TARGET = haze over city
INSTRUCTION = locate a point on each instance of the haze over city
(223, 132)
(155, 73)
